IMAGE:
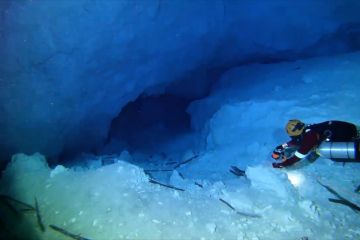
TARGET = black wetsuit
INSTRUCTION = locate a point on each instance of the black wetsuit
(334, 131)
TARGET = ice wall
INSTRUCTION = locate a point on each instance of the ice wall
(68, 67)
(242, 129)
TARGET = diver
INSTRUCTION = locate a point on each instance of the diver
(305, 138)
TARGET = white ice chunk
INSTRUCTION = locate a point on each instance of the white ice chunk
(57, 170)
(267, 179)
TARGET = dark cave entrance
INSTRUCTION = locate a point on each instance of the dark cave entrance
(149, 123)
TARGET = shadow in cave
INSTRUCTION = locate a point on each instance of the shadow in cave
(16, 227)
(149, 123)
(16, 221)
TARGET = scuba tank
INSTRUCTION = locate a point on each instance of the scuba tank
(341, 151)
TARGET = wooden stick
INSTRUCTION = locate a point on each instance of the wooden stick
(340, 199)
(228, 204)
(237, 171)
(238, 212)
(68, 234)
(164, 185)
(9, 206)
(8, 198)
(186, 161)
(346, 202)
(38, 216)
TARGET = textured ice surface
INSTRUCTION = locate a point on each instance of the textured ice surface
(118, 202)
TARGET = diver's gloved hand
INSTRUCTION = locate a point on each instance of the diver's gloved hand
(280, 148)
(276, 155)
(278, 151)
(277, 165)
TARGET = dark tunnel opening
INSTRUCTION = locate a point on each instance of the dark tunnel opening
(155, 123)
(148, 123)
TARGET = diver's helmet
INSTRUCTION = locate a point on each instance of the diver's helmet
(294, 128)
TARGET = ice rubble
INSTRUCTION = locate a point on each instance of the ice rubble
(117, 202)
